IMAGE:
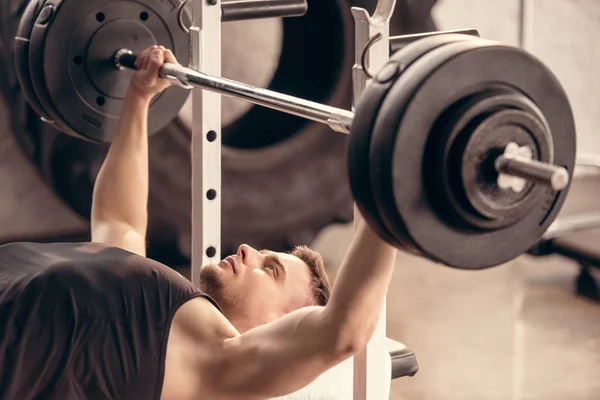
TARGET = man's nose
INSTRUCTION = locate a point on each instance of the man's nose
(247, 254)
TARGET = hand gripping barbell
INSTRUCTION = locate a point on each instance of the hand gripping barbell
(460, 149)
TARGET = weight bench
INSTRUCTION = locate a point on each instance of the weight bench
(579, 241)
(576, 237)
(336, 383)
(404, 360)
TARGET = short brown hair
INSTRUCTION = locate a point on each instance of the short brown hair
(320, 280)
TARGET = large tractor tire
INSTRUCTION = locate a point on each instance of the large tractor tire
(283, 178)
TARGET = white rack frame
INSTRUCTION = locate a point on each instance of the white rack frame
(205, 56)
(370, 380)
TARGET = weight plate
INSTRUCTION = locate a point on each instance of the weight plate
(36, 62)
(358, 151)
(463, 146)
(75, 74)
(478, 177)
(464, 69)
(389, 118)
(360, 145)
(359, 140)
(21, 117)
(21, 55)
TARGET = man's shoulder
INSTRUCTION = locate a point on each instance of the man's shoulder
(197, 333)
(203, 321)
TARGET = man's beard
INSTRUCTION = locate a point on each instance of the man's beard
(211, 283)
(210, 280)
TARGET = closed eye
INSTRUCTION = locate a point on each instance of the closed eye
(274, 263)
(272, 268)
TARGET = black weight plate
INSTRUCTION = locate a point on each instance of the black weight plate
(500, 207)
(464, 178)
(36, 61)
(366, 111)
(468, 70)
(391, 114)
(461, 187)
(21, 54)
(78, 78)
(358, 151)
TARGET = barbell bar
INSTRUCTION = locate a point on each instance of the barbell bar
(555, 177)
(428, 136)
(243, 10)
(337, 119)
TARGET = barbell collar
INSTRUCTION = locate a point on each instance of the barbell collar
(337, 119)
(532, 170)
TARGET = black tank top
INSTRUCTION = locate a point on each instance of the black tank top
(85, 321)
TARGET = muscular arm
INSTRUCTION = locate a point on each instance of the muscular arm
(119, 206)
(120, 200)
(281, 357)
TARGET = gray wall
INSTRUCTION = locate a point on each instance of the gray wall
(564, 35)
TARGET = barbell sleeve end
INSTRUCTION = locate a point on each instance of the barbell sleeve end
(560, 179)
(551, 175)
(339, 126)
(124, 58)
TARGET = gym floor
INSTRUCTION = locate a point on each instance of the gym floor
(517, 331)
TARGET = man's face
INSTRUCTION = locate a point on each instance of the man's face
(255, 287)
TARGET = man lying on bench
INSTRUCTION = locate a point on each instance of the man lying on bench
(100, 320)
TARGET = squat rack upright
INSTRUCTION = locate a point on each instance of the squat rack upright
(371, 380)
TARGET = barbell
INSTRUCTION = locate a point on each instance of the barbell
(460, 150)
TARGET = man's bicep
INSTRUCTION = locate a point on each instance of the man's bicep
(275, 359)
(119, 235)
